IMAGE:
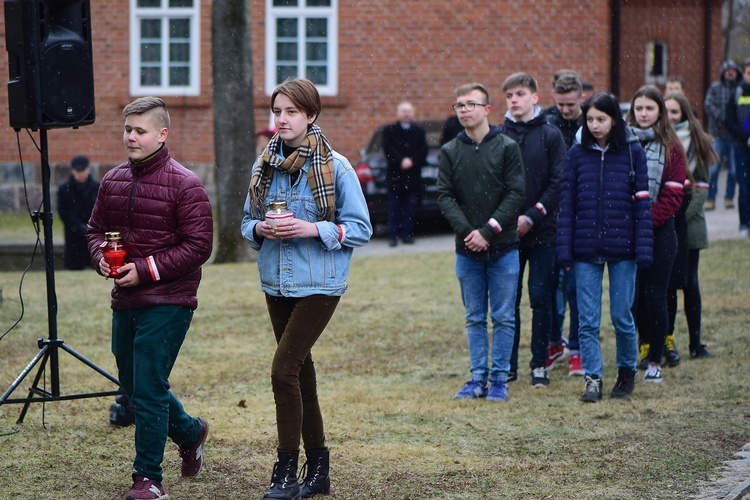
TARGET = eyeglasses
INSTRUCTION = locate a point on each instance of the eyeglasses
(469, 106)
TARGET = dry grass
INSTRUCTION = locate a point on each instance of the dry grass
(388, 365)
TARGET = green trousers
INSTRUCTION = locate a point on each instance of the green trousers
(145, 343)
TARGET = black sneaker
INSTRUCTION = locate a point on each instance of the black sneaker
(539, 378)
(699, 351)
(512, 376)
(670, 351)
(593, 389)
(624, 384)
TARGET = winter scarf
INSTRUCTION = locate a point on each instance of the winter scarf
(314, 147)
(682, 130)
(655, 157)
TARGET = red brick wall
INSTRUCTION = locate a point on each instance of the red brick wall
(389, 51)
(191, 133)
(679, 23)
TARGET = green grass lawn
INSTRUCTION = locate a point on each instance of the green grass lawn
(388, 365)
(19, 227)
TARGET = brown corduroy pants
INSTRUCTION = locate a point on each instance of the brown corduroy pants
(297, 323)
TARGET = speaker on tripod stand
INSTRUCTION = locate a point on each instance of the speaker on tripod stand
(50, 63)
(50, 85)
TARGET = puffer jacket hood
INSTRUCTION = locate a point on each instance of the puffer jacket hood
(730, 65)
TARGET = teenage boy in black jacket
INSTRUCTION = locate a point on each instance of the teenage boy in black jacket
(566, 115)
(543, 153)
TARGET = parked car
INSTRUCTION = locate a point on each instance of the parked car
(371, 171)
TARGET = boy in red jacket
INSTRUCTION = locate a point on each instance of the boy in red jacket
(164, 216)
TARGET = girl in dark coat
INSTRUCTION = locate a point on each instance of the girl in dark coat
(700, 155)
(605, 218)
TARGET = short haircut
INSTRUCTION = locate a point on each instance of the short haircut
(520, 80)
(677, 79)
(561, 72)
(302, 93)
(568, 82)
(470, 87)
(149, 104)
(747, 63)
(606, 103)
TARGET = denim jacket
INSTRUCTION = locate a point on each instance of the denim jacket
(301, 267)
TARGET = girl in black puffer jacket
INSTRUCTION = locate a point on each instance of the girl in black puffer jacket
(605, 218)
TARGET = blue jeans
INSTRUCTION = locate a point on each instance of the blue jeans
(621, 292)
(494, 282)
(542, 283)
(725, 148)
(145, 343)
(742, 153)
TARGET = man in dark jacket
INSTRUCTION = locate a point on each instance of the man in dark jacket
(543, 152)
(719, 94)
(405, 148)
(164, 215)
(566, 115)
(738, 123)
(75, 201)
(480, 192)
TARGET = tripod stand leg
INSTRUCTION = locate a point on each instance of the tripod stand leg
(39, 355)
(44, 354)
(90, 364)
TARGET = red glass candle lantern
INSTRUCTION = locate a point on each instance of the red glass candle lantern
(114, 252)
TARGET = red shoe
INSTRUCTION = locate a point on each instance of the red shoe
(574, 365)
(146, 489)
(192, 457)
(554, 354)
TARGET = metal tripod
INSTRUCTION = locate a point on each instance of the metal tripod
(49, 348)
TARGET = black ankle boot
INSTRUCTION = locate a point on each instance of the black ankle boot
(284, 477)
(624, 384)
(317, 480)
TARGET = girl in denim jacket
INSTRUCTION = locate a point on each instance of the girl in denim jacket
(303, 264)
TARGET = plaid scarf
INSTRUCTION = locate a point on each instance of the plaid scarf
(314, 147)
(655, 158)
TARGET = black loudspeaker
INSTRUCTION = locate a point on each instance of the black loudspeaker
(50, 64)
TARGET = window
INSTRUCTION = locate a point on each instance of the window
(656, 62)
(302, 41)
(164, 47)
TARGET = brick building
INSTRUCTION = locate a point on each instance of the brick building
(366, 55)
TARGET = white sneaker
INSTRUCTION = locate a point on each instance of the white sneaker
(744, 232)
(653, 374)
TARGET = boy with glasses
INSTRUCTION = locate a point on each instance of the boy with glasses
(480, 191)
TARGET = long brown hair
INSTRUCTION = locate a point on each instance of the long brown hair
(704, 150)
(663, 131)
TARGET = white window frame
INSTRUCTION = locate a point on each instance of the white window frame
(165, 13)
(301, 12)
(648, 52)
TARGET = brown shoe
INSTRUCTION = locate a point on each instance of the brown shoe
(710, 205)
(728, 203)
